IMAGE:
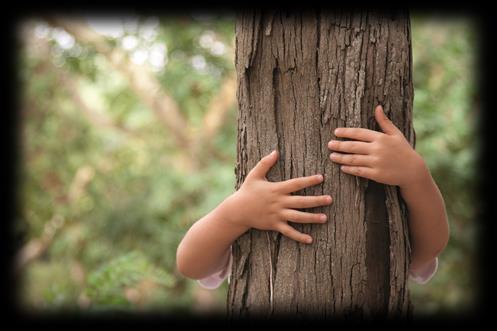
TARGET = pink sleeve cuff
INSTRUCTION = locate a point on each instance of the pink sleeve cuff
(424, 275)
(214, 280)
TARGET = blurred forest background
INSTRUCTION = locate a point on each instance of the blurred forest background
(128, 136)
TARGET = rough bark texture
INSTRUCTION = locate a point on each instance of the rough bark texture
(301, 75)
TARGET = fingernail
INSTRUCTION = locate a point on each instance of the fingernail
(323, 217)
(308, 240)
(337, 131)
(320, 177)
(328, 198)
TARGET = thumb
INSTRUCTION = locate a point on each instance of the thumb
(264, 165)
(385, 124)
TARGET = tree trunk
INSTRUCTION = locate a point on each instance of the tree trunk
(301, 75)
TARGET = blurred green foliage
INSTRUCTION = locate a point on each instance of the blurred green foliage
(113, 206)
(446, 114)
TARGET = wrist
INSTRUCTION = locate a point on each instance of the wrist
(419, 175)
(230, 212)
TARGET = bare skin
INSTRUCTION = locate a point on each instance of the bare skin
(388, 158)
(258, 204)
(383, 157)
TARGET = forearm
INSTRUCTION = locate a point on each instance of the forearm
(428, 226)
(205, 247)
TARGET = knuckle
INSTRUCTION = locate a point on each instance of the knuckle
(399, 137)
(295, 216)
(274, 188)
(382, 138)
(291, 185)
(375, 148)
(289, 182)
(275, 226)
(274, 212)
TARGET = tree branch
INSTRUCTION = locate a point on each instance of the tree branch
(218, 108)
(141, 80)
(95, 117)
(70, 84)
(36, 247)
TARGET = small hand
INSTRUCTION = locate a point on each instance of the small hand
(386, 158)
(266, 205)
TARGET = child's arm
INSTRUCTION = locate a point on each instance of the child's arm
(388, 158)
(259, 204)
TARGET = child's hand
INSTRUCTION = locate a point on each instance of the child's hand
(383, 157)
(266, 205)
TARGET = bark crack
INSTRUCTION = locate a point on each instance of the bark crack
(325, 67)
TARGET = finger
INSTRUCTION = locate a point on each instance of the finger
(297, 216)
(351, 159)
(357, 134)
(359, 171)
(355, 147)
(299, 201)
(291, 233)
(264, 165)
(386, 125)
(297, 184)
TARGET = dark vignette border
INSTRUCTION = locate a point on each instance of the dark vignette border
(481, 15)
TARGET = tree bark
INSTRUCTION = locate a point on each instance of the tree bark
(301, 75)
